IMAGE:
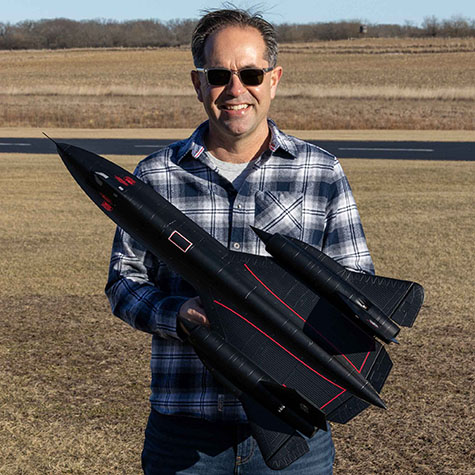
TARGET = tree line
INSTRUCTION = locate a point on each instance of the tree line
(64, 33)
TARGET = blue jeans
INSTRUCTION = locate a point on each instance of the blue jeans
(175, 444)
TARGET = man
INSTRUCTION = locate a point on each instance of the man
(236, 170)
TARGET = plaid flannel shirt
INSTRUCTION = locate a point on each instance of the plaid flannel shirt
(294, 188)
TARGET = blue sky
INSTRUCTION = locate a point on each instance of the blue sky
(291, 11)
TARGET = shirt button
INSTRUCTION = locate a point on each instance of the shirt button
(239, 206)
(236, 245)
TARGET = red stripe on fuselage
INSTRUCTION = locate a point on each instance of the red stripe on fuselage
(303, 319)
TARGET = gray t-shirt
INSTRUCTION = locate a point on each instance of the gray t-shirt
(236, 173)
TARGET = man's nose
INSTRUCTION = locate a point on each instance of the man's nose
(235, 86)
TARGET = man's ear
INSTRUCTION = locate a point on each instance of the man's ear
(196, 80)
(276, 74)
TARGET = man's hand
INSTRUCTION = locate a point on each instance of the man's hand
(193, 311)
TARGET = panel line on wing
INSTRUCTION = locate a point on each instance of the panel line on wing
(332, 399)
(308, 324)
(279, 345)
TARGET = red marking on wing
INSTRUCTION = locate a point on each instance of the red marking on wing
(332, 399)
(285, 349)
(364, 362)
(303, 319)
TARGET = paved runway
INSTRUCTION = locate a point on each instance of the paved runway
(452, 151)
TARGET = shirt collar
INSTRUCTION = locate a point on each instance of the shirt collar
(282, 141)
(195, 145)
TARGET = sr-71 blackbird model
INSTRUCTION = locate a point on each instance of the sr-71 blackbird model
(296, 337)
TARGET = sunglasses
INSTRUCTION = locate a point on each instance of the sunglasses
(222, 76)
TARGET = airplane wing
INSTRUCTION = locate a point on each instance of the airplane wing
(322, 322)
(281, 444)
(400, 300)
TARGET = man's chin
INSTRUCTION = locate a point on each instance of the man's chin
(237, 128)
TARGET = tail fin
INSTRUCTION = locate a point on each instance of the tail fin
(298, 403)
(280, 444)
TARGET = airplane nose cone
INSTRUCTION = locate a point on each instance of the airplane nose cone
(263, 235)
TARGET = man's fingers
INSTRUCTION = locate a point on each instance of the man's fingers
(192, 310)
(197, 315)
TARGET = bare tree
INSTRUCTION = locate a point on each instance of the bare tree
(65, 33)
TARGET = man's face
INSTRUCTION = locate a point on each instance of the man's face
(236, 110)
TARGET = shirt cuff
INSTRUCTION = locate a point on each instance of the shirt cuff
(171, 306)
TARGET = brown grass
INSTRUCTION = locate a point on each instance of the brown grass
(365, 83)
(74, 379)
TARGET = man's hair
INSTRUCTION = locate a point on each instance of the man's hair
(215, 20)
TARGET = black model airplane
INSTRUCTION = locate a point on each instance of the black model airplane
(294, 336)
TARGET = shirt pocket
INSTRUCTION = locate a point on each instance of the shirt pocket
(279, 212)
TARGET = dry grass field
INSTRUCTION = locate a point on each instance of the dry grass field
(381, 83)
(74, 379)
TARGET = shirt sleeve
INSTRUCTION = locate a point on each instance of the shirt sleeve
(344, 238)
(132, 294)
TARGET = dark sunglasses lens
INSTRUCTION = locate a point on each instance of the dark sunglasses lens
(219, 77)
(252, 77)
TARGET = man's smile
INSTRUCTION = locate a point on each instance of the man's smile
(234, 107)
